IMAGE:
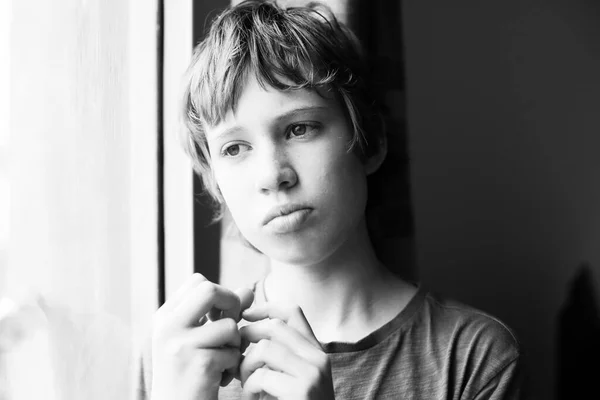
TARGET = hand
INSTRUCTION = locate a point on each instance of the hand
(286, 361)
(195, 339)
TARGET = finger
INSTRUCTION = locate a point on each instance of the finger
(291, 315)
(246, 298)
(223, 332)
(200, 299)
(274, 383)
(279, 331)
(222, 359)
(214, 314)
(175, 299)
(273, 355)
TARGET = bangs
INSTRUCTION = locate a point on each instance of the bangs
(297, 48)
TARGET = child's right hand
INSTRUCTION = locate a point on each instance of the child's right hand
(190, 353)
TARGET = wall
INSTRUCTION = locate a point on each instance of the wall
(503, 105)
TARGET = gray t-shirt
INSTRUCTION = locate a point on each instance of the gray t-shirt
(433, 349)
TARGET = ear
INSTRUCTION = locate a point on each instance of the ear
(373, 163)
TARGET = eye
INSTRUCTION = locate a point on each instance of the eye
(234, 150)
(301, 130)
(298, 130)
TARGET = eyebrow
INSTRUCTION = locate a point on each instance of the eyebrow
(296, 111)
(282, 117)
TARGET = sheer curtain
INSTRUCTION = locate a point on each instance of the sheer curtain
(78, 222)
(5, 12)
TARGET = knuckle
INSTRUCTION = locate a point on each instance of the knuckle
(257, 353)
(263, 346)
(197, 275)
(208, 287)
(230, 326)
(206, 362)
(194, 278)
(277, 324)
(259, 374)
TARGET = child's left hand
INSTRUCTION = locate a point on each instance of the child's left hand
(287, 361)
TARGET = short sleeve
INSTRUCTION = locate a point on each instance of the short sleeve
(507, 384)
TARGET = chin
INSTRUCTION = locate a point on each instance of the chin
(300, 251)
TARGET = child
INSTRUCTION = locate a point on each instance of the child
(284, 133)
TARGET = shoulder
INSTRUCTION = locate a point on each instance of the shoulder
(469, 326)
(478, 346)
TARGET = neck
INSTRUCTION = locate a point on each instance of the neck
(341, 294)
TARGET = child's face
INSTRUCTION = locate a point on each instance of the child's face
(287, 152)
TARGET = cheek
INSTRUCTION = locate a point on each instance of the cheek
(236, 188)
(346, 175)
(231, 185)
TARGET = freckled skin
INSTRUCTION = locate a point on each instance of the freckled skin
(270, 168)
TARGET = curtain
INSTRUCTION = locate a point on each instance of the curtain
(78, 180)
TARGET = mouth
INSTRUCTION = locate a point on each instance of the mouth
(288, 218)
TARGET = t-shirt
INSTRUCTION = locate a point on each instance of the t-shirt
(433, 348)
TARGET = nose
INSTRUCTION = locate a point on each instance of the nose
(275, 172)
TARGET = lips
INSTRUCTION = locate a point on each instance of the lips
(286, 218)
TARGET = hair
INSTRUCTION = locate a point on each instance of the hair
(287, 49)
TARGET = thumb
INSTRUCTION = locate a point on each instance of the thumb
(246, 297)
